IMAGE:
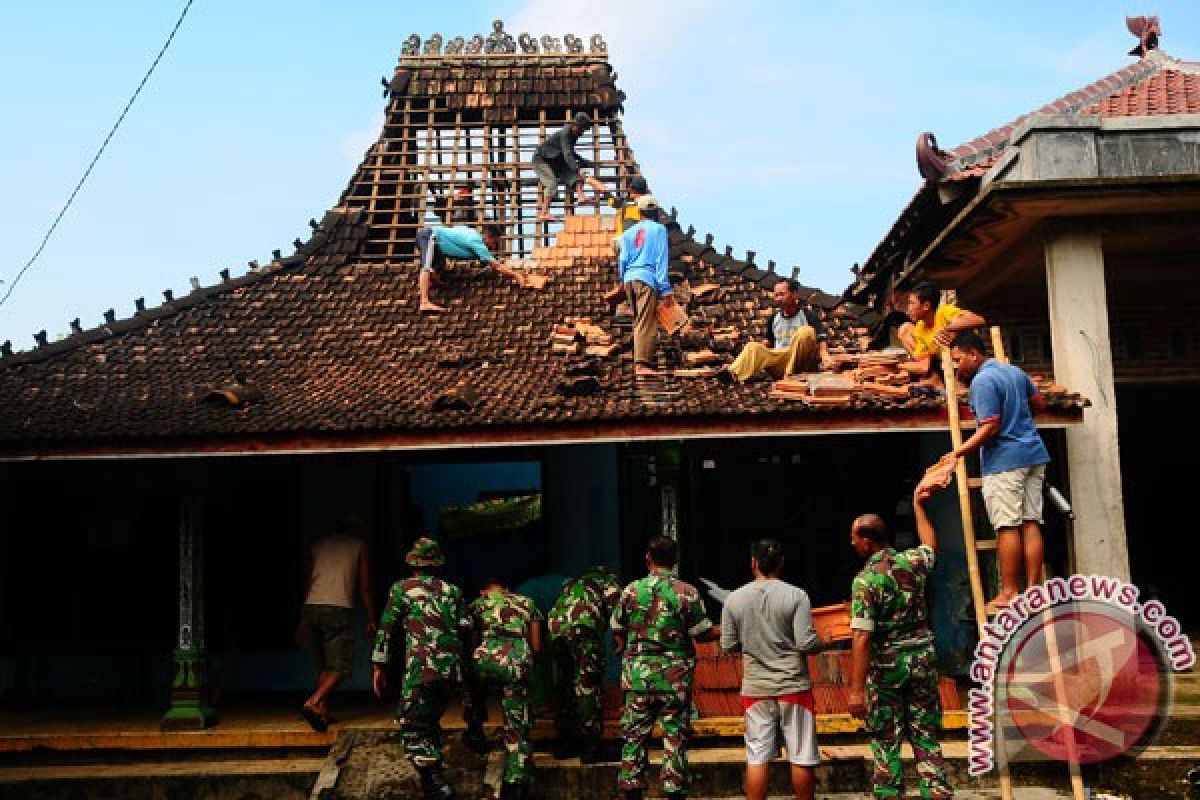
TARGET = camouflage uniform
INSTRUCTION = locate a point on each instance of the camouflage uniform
(431, 616)
(658, 616)
(888, 600)
(576, 625)
(503, 623)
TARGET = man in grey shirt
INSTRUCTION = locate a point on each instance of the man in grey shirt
(770, 623)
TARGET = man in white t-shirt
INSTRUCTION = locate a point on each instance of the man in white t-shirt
(770, 622)
(339, 567)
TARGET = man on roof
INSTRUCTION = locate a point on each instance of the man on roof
(642, 265)
(436, 244)
(796, 340)
(556, 162)
(932, 325)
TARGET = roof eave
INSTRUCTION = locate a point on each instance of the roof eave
(821, 423)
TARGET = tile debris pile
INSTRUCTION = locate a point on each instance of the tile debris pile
(718, 681)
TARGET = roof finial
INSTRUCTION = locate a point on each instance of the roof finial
(1147, 30)
(932, 161)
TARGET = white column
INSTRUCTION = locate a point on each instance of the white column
(1083, 363)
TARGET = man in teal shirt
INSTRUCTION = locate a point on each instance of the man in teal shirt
(435, 245)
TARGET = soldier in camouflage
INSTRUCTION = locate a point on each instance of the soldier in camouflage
(654, 623)
(428, 617)
(507, 634)
(577, 623)
(894, 683)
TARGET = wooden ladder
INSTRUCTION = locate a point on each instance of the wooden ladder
(965, 484)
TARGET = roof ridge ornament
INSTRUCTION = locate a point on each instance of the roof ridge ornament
(500, 42)
(932, 161)
(1147, 30)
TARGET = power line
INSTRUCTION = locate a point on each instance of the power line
(46, 239)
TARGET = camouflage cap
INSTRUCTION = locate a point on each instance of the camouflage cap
(425, 552)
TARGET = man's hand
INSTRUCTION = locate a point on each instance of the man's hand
(923, 492)
(826, 364)
(378, 680)
(858, 705)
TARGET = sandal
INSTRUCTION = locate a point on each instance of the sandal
(314, 719)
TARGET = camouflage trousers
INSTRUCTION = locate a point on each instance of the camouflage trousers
(516, 715)
(420, 716)
(642, 709)
(580, 663)
(903, 703)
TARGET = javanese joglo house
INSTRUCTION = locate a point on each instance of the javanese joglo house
(163, 472)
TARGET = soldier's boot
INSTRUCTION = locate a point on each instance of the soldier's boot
(434, 785)
(475, 740)
(514, 791)
(632, 794)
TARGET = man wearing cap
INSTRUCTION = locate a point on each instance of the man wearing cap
(339, 568)
(431, 617)
(642, 264)
(555, 161)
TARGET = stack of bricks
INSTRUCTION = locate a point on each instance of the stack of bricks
(580, 237)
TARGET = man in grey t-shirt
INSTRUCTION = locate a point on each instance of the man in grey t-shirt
(770, 623)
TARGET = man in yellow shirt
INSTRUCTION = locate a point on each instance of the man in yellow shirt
(933, 326)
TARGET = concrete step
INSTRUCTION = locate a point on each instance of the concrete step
(372, 768)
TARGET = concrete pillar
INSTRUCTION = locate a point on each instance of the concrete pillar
(189, 691)
(1083, 362)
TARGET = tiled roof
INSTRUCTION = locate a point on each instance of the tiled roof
(976, 157)
(329, 341)
(506, 88)
(1156, 84)
(1168, 92)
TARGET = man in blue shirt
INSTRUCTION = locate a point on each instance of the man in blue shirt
(1012, 456)
(642, 264)
(435, 245)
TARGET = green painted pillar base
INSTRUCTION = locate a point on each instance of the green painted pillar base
(189, 709)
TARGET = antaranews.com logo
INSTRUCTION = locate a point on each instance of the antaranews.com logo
(1075, 669)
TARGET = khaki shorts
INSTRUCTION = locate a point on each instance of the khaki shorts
(330, 638)
(770, 722)
(1014, 496)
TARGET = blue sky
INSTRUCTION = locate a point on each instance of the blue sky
(787, 128)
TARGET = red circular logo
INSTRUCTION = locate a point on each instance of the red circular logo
(1082, 685)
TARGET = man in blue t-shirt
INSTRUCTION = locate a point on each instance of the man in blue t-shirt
(1012, 456)
(644, 255)
(435, 245)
